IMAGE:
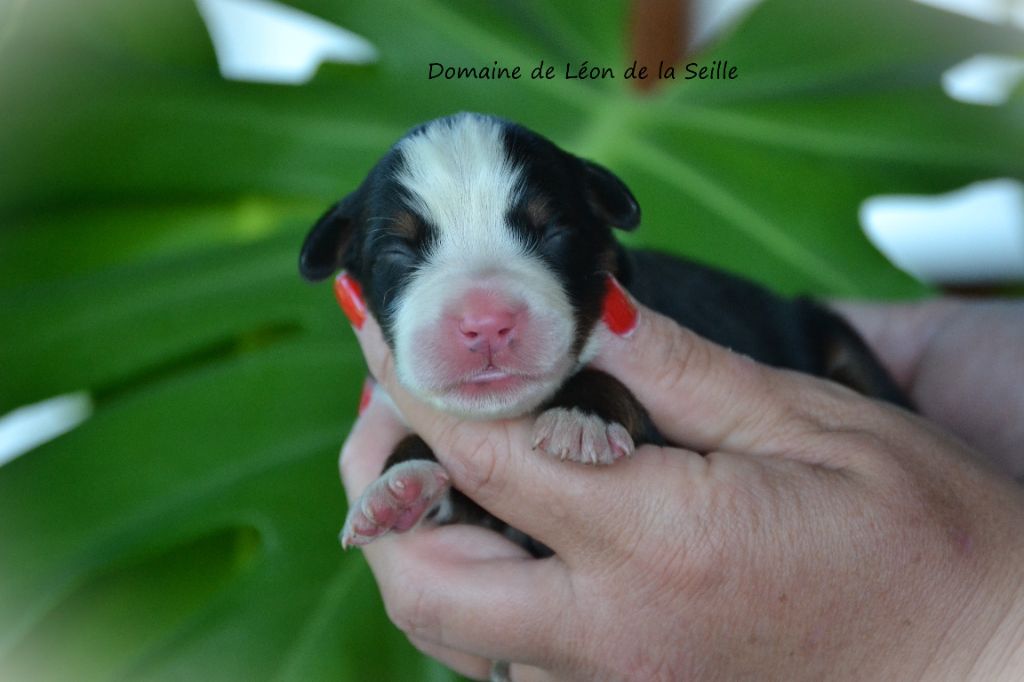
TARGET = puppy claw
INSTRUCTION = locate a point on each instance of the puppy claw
(620, 440)
(580, 437)
(396, 501)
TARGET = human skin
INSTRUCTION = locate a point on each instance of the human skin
(820, 535)
(962, 364)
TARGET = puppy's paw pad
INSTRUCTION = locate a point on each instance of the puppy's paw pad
(580, 437)
(395, 501)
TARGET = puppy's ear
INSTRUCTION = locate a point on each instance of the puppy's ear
(324, 248)
(609, 197)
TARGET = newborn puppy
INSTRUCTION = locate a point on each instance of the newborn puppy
(485, 251)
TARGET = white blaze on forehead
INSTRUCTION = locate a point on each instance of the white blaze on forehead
(460, 179)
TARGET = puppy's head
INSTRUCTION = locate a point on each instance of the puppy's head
(482, 250)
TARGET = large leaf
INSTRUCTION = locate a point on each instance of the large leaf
(150, 218)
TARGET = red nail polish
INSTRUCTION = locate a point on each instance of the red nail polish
(620, 316)
(367, 394)
(350, 298)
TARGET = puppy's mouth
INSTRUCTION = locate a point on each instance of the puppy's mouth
(491, 375)
(479, 351)
(493, 380)
(495, 392)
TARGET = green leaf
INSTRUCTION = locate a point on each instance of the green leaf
(150, 220)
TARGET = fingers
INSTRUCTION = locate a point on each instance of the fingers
(452, 589)
(977, 347)
(373, 437)
(899, 333)
(706, 397)
(467, 665)
(494, 463)
(466, 589)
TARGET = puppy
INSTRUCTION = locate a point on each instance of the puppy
(485, 252)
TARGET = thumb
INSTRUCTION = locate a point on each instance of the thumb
(706, 397)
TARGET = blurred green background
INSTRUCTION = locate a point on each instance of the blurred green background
(150, 219)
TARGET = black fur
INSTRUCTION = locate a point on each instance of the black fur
(796, 334)
(565, 212)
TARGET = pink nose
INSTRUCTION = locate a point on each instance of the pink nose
(486, 322)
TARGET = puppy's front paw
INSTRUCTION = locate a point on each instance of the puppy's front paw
(395, 501)
(580, 437)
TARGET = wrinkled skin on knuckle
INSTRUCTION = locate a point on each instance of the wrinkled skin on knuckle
(835, 407)
(906, 512)
(865, 453)
(773, 431)
(412, 610)
(577, 658)
(792, 412)
(878, 446)
(724, 562)
(656, 602)
(625, 524)
(647, 665)
(732, 524)
(655, 582)
(804, 439)
(657, 541)
(624, 654)
(681, 360)
(831, 425)
(923, 500)
(478, 458)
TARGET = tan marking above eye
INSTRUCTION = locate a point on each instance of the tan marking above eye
(538, 212)
(406, 226)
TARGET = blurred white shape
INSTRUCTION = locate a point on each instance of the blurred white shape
(984, 79)
(713, 17)
(993, 11)
(267, 42)
(973, 235)
(1017, 13)
(30, 426)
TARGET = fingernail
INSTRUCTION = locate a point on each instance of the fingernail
(350, 298)
(367, 395)
(620, 315)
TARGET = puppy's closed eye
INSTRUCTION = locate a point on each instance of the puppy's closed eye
(485, 264)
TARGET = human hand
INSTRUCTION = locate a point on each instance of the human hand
(961, 363)
(823, 535)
